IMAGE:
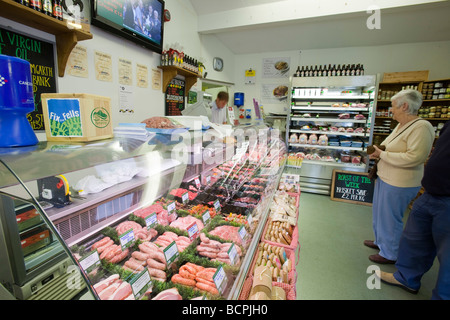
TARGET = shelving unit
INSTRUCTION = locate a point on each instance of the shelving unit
(66, 36)
(384, 124)
(170, 72)
(316, 104)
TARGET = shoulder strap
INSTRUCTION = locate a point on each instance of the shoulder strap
(405, 129)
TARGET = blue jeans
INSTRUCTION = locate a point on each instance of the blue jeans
(426, 235)
(388, 208)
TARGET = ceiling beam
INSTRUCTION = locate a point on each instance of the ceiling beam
(288, 11)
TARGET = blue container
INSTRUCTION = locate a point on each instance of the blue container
(16, 101)
(238, 99)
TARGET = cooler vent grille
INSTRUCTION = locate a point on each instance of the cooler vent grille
(84, 220)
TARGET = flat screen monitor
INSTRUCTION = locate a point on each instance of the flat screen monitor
(140, 21)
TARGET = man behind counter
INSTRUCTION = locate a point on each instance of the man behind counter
(218, 110)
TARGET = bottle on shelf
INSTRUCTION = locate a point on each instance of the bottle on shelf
(338, 70)
(36, 5)
(362, 70)
(352, 70)
(297, 72)
(333, 71)
(24, 2)
(47, 7)
(315, 71)
(319, 71)
(347, 70)
(358, 70)
(302, 72)
(307, 71)
(329, 71)
(57, 10)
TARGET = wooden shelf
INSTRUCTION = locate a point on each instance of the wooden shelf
(66, 36)
(170, 72)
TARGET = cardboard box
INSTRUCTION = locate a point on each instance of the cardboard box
(76, 117)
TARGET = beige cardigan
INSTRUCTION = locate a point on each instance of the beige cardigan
(402, 164)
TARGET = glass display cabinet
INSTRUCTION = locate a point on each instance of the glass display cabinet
(75, 217)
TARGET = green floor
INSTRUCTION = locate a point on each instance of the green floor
(333, 261)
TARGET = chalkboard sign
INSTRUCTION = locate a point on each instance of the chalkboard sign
(175, 97)
(40, 54)
(353, 187)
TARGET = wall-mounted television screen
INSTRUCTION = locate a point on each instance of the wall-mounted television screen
(140, 21)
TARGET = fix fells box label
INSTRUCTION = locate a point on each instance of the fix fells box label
(65, 117)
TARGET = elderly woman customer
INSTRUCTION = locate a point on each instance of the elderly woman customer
(400, 171)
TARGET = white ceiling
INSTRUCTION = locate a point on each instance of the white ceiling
(406, 24)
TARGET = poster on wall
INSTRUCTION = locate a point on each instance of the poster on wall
(126, 102)
(125, 72)
(156, 79)
(77, 64)
(141, 75)
(40, 54)
(103, 66)
(274, 93)
(175, 97)
(276, 67)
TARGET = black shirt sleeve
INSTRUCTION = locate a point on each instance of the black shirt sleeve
(436, 179)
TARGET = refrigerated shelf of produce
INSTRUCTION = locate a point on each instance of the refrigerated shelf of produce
(246, 263)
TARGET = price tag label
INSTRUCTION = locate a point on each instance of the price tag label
(197, 183)
(185, 197)
(193, 231)
(171, 210)
(208, 179)
(171, 253)
(151, 220)
(217, 205)
(240, 152)
(140, 283)
(249, 220)
(206, 216)
(233, 254)
(220, 279)
(90, 262)
(126, 239)
(242, 233)
(171, 207)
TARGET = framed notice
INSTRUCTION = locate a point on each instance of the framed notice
(40, 54)
(175, 97)
(352, 187)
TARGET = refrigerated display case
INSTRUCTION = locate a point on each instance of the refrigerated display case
(329, 127)
(93, 206)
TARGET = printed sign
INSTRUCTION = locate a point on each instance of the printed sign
(126, 239)
(65, 117)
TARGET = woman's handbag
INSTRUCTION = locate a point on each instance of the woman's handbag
(373, 171)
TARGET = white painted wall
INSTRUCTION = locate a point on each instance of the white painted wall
(182, 31)
(432, 56)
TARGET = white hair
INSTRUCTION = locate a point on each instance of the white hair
(412, 98)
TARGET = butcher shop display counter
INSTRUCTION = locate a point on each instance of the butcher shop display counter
(128, 218)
